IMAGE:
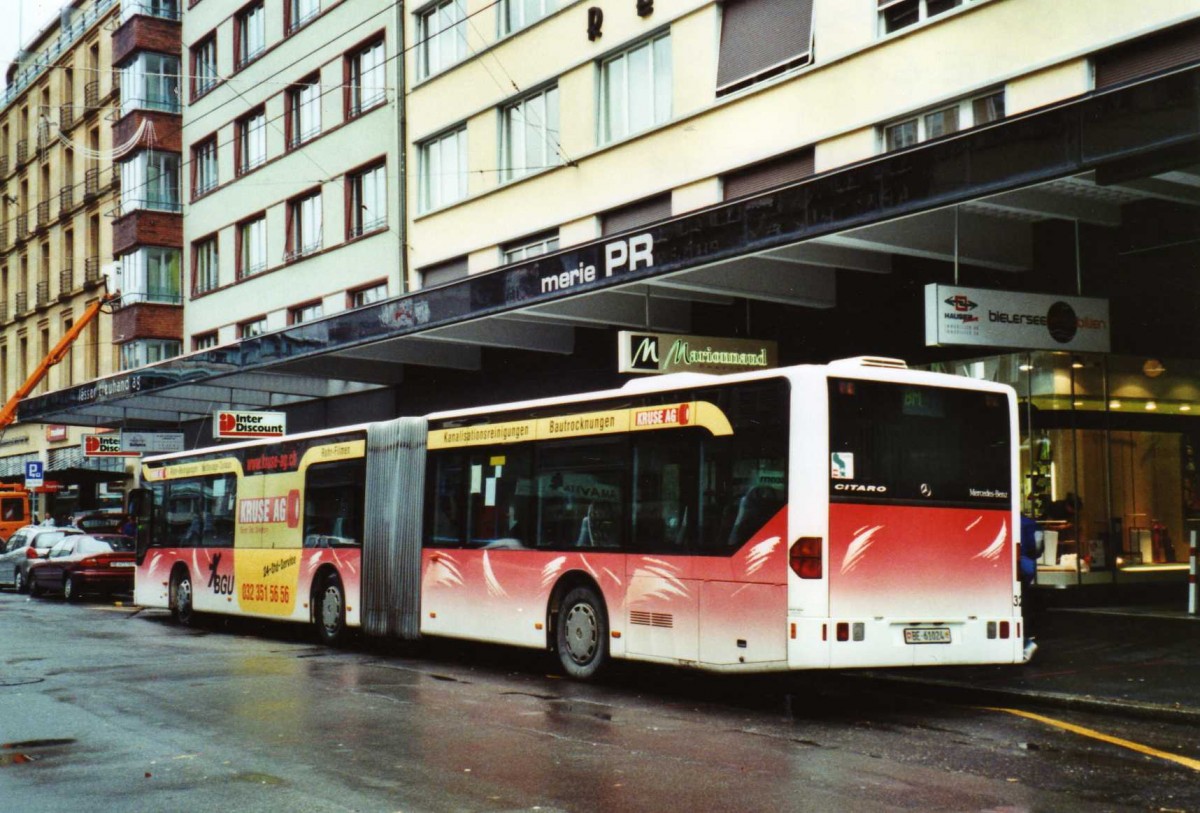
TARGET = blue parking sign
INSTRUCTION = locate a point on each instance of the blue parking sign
(35, 472)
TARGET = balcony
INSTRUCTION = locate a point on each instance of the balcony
(91, 95)
(43, 293)
(91, 183)
(22, 302)
(3, 236)
(91, 270)
(3, 312)
(43, 214)
(66, 281)
(22, 151)
(66, 199)
(22, 226)
(66, 116)
(3, 165)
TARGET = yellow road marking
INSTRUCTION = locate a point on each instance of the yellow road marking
(1187, 762)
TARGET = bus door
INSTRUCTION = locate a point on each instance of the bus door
(663, 597)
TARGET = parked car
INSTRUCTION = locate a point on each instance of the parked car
(85, 563)
(26, 546)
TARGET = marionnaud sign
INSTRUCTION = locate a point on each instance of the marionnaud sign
(977, 316)
(105, 446)
(228, 423)
(675, 353)
(152, 442)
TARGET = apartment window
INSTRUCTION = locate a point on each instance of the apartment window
(442, 37)
(775, 172)
(636, 214)
(761, 39)
(635, 89)
(204, 166)
(366, 296)
(203, 341)
(151, 274)
(252, 328)
(205, 267)
(442, 178)
(305, 313)
(304, 110)
(516, 14)
(299, 12)
(250, 32)
(366, 199)
(446, 271)
(252, 247)
(150, 82)
(150, 180)
(532, 247)
(167, 9)
(141, 352)
(251, 141)
(530, 136)
(942, 121)
(366, 83)
(204, 65)
(304, 225)
(897, 14)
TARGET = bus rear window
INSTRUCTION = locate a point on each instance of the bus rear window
(931, 445)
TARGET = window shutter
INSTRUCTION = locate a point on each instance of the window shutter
(635, 214)
(447, 271)
(762, 37)
(1148, 55)
(769, 174)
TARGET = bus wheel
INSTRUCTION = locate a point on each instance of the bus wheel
(331, 611)
(181, 599)
(582, 634)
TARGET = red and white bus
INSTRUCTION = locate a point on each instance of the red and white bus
(850, 514)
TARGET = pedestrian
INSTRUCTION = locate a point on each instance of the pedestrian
(129, 527)
(1031, 549)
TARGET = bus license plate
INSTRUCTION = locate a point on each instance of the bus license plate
(924, 635)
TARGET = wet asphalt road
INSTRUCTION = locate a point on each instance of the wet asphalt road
(106, 709)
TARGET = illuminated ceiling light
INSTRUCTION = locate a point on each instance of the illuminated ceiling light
(1079, 403)
(1025, 367)
(1077, 364)
(1185, 407)
(1151, 406)
(1114, 404)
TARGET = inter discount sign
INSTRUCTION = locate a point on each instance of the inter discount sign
(232, 424)
(105, 446)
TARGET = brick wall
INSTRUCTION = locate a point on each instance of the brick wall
(145, 34)
(163, 135)
(147, 320)
(146, 228)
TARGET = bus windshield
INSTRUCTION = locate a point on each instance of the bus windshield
(928, 445)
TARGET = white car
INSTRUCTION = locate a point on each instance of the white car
(24, 547)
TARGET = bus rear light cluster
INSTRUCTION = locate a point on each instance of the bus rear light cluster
(805, 557)
(847, 631)
(1001, 629)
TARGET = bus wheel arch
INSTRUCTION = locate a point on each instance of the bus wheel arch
(328, 606)
(578, 628)
(181, 596)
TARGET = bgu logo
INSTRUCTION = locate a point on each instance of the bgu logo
(219, 583)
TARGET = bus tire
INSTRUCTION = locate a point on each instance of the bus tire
(181, 599)
(582, 634)
(329, 610)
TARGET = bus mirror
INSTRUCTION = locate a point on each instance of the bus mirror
(141, 508)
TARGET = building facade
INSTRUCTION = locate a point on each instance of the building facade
(58, 186)
(291, 169)
(795, 171)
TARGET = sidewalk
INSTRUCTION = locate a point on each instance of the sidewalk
(1138, 660)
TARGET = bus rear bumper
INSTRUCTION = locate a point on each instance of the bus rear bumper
(844, 643)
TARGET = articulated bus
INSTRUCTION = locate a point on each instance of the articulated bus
(825, 516)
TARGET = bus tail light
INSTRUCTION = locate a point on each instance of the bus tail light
(805, 557)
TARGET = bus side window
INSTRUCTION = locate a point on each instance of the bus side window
(218, 503)
(744, 482)
(665, 489)
(445, 511)
(498, 495)
(184, 525)
(581, 494)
